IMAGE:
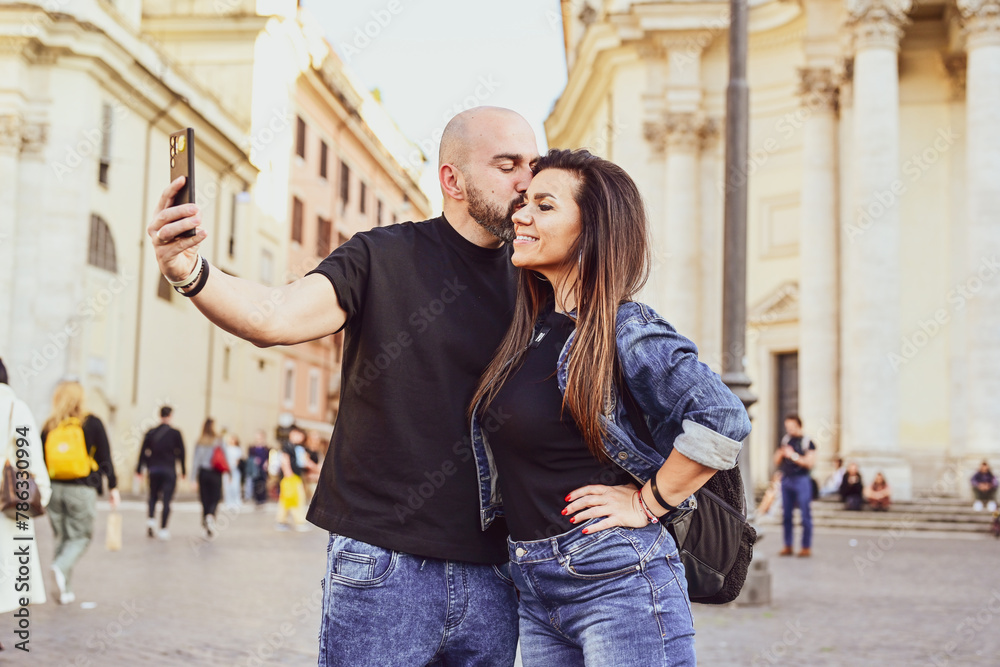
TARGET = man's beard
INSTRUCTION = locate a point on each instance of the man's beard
(492, 218)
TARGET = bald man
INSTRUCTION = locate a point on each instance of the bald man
(412, 579)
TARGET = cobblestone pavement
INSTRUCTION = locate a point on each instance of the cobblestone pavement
(251, 597)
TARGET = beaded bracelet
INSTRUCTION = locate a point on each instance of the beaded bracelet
(645, 510)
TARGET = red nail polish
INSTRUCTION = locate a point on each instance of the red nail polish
(572, 519)
(565, 512)
(585, 531)
(567, 498)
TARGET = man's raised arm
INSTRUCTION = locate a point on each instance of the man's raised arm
(306, 309)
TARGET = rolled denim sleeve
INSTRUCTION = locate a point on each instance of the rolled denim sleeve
(670, 383)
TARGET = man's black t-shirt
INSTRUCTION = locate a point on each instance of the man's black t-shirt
(426, 310)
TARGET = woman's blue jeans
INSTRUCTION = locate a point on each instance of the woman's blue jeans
(614, 598)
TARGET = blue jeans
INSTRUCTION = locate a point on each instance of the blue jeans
(614, 598)
(796, 491)
(383, 608)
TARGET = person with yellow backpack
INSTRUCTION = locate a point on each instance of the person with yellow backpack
(77, 456)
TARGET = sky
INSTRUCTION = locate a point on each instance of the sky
(430, 59)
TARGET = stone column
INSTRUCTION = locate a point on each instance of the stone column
(10, 155)
(981, 20)
(682, 264)
(819, 290)
(871, 243)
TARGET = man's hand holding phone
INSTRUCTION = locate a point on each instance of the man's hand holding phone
(176, 254)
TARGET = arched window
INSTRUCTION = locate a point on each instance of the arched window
(101, 250)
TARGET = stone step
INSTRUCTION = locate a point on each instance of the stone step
(897, 515)
(898, 522)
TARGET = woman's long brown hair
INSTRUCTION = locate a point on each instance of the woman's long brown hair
(613, 255)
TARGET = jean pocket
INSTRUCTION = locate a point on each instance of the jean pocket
(503, 571)
(359, 564)
(621, 551)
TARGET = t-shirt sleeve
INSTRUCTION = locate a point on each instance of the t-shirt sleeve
(348, 268)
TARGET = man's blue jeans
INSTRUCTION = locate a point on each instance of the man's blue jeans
(384, 608)
(796, 491)
(614, 598)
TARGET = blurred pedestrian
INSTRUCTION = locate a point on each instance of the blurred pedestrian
(984, 488)
(310, 475)
(832, 484)
(162, 449)
(256, 469)
(852, 489)
(78, 457)
(16, 421)
(234, 478)
(208, 476)
(794, 458)
(292, 493)
(879, 494)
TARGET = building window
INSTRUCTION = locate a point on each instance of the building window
(378, 213)
(101, 250)
(266, 266)
(314, 390)
(226, 352)
(323, 151)
(393, 218)
(324, 228)
(345, 182)
(341, 239)
(164, 290)
(288, 391)
(297, 215)
(105, 162)
(364, 197)
(300, 137)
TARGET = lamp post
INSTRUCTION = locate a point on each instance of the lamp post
(757, 589)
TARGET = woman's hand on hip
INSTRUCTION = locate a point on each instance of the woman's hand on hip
(618, 504)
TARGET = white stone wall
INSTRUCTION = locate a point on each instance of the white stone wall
(904, 349)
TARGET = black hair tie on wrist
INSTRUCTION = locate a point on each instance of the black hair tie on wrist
(656, 495)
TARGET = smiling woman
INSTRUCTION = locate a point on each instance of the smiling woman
(586, 500)
(547, 226)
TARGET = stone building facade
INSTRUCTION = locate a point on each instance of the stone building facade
(874, 209)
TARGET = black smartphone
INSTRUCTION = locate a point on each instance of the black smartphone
(182, 164)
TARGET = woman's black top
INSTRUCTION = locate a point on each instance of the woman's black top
(539, 451)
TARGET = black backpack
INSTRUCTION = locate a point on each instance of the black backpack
(715, 541)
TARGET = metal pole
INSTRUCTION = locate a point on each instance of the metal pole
(757, 589)
(734, 259)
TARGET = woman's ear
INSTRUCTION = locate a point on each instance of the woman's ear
(452, 182)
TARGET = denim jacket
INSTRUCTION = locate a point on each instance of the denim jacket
(684, 402)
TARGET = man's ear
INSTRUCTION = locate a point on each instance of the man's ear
(452, 181)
